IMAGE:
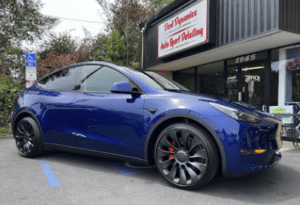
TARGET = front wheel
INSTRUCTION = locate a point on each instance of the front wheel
(186, 156)
(28, 138)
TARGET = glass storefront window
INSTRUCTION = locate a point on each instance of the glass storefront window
(253, 83)
(246, 83)
(293, 71)
(186, 78)
(296, 86)
(210, 78)
(232, 83)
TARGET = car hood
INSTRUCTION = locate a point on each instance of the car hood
(235, 104)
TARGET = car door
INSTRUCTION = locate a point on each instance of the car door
(56, 100)
(108, 122)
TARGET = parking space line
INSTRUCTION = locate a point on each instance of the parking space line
(53, 181)
(125, 170)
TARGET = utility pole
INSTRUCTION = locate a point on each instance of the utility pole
(127, 31)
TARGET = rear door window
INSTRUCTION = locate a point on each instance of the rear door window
(61, 80)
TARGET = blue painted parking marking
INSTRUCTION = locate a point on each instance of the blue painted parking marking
(53, 181)
(125, 170)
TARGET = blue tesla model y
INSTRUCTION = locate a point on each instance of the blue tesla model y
(107, 110)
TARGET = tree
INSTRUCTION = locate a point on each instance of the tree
(12, 63)
(62, 44)
(157, 4)
(124, 16)
(88, 45)
(21, 20)
(57, 51)
(55, 61)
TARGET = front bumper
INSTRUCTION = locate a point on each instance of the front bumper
(237, 136)
(275, 159)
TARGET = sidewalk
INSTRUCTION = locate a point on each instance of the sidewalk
(287, 146)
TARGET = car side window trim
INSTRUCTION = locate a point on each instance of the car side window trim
(61, 69)
(78, 80)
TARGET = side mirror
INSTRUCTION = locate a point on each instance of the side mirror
(123, 87)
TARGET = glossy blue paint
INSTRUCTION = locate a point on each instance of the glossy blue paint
(110, 123)
(120, 124)
(121, 86)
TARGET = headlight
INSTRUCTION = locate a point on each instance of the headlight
(235, 113)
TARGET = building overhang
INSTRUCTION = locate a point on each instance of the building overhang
(234, 28)
(266, 41)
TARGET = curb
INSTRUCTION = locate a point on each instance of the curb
(5, 136)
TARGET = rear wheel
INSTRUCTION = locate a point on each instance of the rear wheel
(186, 156)
(28, 138)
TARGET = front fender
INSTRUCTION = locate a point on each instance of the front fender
(188, 114)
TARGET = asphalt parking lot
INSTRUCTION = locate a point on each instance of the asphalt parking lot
(63, 178)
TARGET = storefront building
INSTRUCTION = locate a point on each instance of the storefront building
(243, 50)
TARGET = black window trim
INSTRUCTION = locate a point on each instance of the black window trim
(63, 68)
(78, 76)
(79, 79)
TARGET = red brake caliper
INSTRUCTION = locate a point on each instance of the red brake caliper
(172, 150)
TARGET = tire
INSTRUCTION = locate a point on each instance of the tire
(186, 155)
(28, 138)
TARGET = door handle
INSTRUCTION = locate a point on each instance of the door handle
(83, 101)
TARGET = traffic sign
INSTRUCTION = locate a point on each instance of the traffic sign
(30, 59)
(30, 76)
(29, 83)
(30, 69)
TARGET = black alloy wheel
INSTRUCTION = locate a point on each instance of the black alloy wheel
(28, 138)
(186, 156)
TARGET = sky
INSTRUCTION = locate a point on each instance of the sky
(85, 14)
(81, 10)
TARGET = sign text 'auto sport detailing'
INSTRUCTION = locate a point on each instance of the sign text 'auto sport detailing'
(184, 30)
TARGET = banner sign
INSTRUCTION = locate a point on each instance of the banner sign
(293, 58)
(283, 109)
(293, 64)
(185, 30)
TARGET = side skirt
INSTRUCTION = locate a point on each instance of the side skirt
(50, 147)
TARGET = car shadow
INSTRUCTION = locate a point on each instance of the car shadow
(274, 185)
(277, 184)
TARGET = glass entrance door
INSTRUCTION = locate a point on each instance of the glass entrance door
(232, 83)
(253, 81)
(246, 83)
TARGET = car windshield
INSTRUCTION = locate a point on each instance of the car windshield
(155, 80)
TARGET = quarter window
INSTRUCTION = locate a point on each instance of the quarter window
(99, 79)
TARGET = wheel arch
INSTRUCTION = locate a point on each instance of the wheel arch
(21, 115)
(175, 118)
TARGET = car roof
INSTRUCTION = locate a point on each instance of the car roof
(86, 63)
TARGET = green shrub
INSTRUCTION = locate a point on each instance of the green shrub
(5, 131)
(8, 91)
